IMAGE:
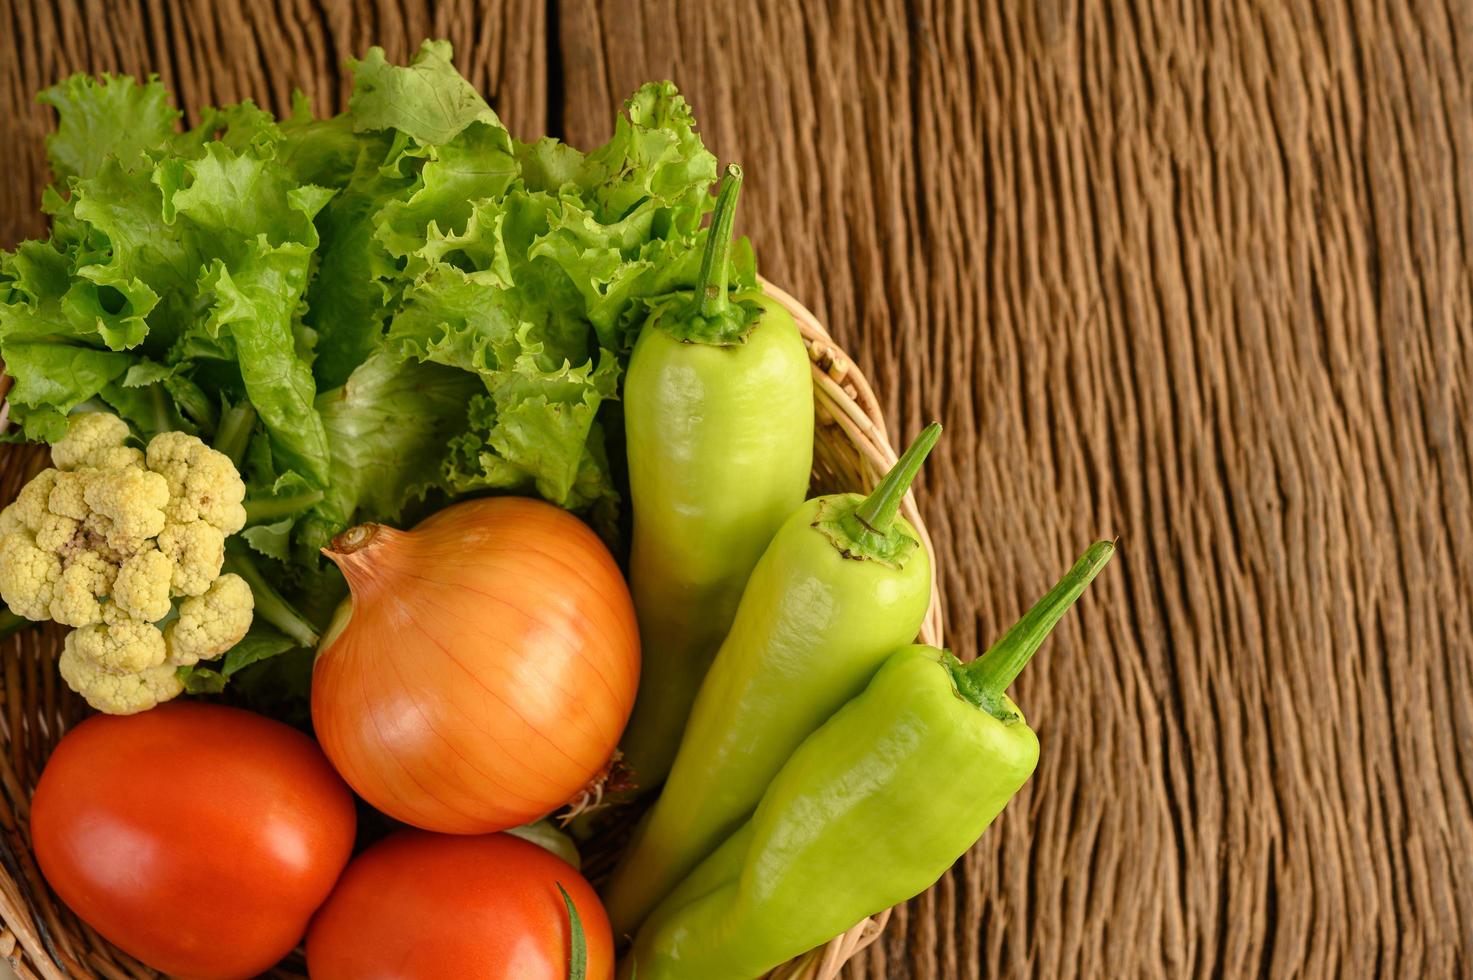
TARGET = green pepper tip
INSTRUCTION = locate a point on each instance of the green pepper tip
(878, 510)
(711, 299)
(866, 530)
(984, 680)
(711, 316)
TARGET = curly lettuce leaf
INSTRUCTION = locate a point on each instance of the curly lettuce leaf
(655, 157)
(478, 165)
(349, 300)
(156, 398)
(255, 225)
(318, 151)
(147, 262)
(530, 429)
(48, 302)
(390, 426)
(626, 223)
(428, 101)
(53, 379)
(106, 117)
(536, 430)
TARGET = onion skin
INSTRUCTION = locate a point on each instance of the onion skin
(487, 667)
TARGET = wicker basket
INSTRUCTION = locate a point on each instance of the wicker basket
(41, 938)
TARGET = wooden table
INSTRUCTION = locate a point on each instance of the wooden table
(1197, 275)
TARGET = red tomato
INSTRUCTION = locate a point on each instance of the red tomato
(197, 838)
(422, 906)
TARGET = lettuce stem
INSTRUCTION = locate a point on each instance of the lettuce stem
(234, 434)
(270, 606)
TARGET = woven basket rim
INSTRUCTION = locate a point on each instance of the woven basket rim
(41, 938)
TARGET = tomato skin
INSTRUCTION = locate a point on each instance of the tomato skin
(423, 906)
(196, 838)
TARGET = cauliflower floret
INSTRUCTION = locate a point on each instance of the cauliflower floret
(67, 494)
(117, 694)
(88, 435)
(99, 535)
(212, 623)
(117, 458)
(197, 550)
(84, 579)
(28, 575)
(203, 483)
(31, 505)
(56, 533)
(132, 500)
(142, 585)
(115, 615)
(125, 646)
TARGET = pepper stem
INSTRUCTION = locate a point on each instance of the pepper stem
(711, 300)
(984, 680)
(234, 433)
(866, 529)
(880, 507)
(713, 315)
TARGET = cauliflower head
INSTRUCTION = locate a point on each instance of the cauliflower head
(111, 540)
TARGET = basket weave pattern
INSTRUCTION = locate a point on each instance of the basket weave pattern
(41, 938)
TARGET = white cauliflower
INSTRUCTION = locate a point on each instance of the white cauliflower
(128, 503)
(203, 483)
(92, 439)
(117, 694)
(211, 623)
(123, 647)
(31, 505)
(28, 575)
(86, 578)
(196, 552)
(108, 540)
(142, 585)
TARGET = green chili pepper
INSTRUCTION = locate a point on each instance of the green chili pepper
(843, 583)
(868, 812)
(718, 416)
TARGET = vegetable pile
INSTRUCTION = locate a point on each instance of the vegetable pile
(416, 304)
(349, 420)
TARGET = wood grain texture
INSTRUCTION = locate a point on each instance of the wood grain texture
(1195, 274)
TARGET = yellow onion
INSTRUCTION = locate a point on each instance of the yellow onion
(482, 671)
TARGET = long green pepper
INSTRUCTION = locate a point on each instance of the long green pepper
(844, 582)
(718, 417)
(868, 812)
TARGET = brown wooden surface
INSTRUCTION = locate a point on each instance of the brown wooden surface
(1196, 274)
